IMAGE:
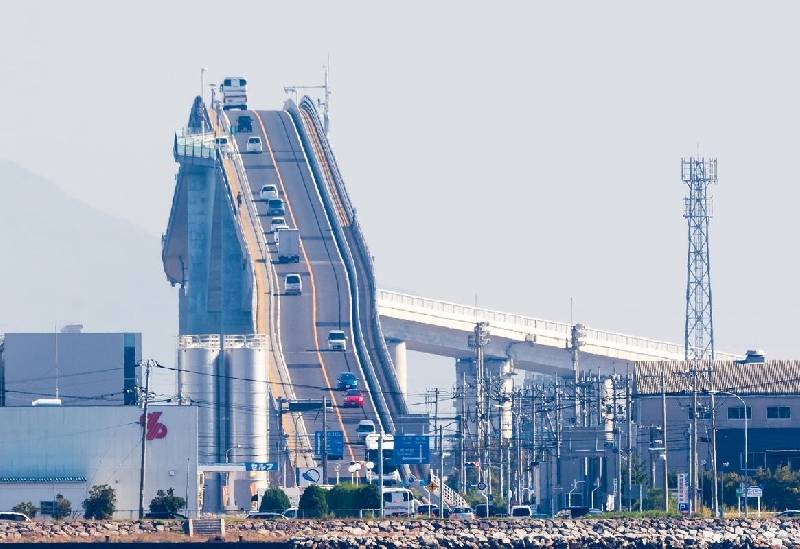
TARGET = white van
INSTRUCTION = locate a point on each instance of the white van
(223, 143)
(254, 144)
(234, 93)
(293, 284)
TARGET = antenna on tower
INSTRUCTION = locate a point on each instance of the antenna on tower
(698, 173)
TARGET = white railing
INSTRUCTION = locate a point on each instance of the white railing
(451, 497)
(196, 145)
(473, 314)
(529, 325)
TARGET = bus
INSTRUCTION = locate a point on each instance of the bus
(391, 475)
(398, 502)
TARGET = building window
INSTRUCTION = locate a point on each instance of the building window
(737, 412)
(779, 412)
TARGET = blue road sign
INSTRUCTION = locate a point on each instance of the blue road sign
(683, 507)
(412, 449)
(335, 444)
(260, 466)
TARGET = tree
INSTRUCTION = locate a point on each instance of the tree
(63, 507)
(167, 502)
(26, 508)
(368, 496)
(313, 502)
(274, 500)
(101, 502)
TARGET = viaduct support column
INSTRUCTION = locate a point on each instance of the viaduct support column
(399, 358)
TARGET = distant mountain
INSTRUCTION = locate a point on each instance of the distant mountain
(62, 261)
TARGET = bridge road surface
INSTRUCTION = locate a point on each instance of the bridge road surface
(325, 302)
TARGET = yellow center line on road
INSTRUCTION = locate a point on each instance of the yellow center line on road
(261, 288)
(313, 289)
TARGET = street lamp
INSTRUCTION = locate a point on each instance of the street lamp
(746, 468)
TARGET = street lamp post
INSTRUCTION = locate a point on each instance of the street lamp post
(746, 467)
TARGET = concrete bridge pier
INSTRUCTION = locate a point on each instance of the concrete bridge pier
(398, 351)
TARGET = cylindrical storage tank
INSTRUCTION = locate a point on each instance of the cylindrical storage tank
(248, 393)
(197, 359)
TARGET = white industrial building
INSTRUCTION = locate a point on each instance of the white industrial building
(50, 450)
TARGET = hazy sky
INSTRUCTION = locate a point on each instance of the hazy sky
(524, 152)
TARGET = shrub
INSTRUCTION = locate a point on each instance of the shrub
(101, 502)
(313, 502)
(63, 507)
(275, 500)
(167, 502)
(27, 508)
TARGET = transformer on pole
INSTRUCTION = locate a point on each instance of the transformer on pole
(698, 174)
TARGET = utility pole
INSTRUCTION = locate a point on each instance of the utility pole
(664, 436)
(629, 437)
(714, 453)
(441, 470)
(380, 469)
(462, 475)
(558, 436)
(436, 413)
(693, 466)
(143, 462)
(617, 441)
(478, 340)
(325, 442)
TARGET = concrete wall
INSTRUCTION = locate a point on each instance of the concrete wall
(103, 446)
(88, 368)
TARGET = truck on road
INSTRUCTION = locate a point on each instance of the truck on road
(288, 245)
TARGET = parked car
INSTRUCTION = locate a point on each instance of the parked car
(337, 340)
(165, 515)
(521, 511)
(347, 380)
(275, 207)
(354, 399)
(254, 144)
(245, 124)
(14, 516)
(269, 192)
(365, 427)
(293, 284)
(427, 510)
(265, 515)
(462, 513)
(278, 223)
(291, 513)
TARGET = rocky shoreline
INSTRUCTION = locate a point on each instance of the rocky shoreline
(418, 533)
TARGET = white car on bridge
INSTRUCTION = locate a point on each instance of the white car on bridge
(269, 192)
(254, 144)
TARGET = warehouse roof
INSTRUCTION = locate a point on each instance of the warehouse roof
(779, 377)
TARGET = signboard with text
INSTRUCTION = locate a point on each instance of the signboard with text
(412, 449)
(335, 444)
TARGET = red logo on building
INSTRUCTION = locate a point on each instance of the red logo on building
(154, 428)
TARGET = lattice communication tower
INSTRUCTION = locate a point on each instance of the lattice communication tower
(698, 174)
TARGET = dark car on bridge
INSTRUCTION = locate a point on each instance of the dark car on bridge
(347, 380)
(245, 124)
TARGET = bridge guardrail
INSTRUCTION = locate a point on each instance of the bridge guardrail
(525, 324)
(366, 364)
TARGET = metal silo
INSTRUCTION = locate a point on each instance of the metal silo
(246, 358)
(197, 361)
